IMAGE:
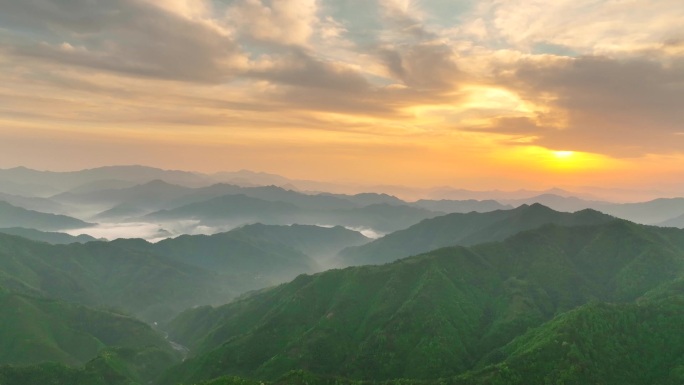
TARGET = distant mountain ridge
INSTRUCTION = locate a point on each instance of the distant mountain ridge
(49, 237)
(13, 216)
(463, 229)
(73, 179)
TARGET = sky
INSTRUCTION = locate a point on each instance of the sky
(478, 94)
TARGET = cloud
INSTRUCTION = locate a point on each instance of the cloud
(123, 36)
(278, 21)
(623, 108)
(589, 26)
(430, 65)
(299, 68)
(583, 75)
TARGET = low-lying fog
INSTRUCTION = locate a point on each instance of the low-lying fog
(155, 232)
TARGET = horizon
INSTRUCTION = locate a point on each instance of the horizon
(404, 192)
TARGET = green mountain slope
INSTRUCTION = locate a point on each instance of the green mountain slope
(262, 255)
(12, 216)
(315, 241)
(102, 274)
(598, 344)
(462, 229)
(112, 366)
(430, 316)
(157, 281)
(34, 330)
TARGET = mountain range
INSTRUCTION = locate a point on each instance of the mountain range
(13, 216)
(311, 283)
(156, 281)
(54, 238)
(462, 229)
(440, 314)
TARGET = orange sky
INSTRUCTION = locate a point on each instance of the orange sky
(473, 94)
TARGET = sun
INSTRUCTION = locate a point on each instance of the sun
(563, 154)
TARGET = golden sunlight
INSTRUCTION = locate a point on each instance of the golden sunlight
(563, 154)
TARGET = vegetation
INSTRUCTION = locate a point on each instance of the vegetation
(583, 299)
(113, 366)
(34, 330)
(433, 316)
(105, 275)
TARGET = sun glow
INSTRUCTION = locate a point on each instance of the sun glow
(563, 154)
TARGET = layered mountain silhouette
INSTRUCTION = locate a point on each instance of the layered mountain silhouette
(13, 216)
(674, 222)
(54, 238)
(462, 229)
(234, 210)
(157, 281)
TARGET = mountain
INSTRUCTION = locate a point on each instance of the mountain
(440, 314)
(34, 330)
(155, 281)
(674, 222)
(49, 237)
(101, 185)
(598, 343)
(231, 210)
(236, 210)
(65, 181)
(151, 286)
(463, 206)
(33, 203)
(12, 216)
(25, 189)
(498, 195)
(651, 212)
(149, 195)
(366, 199)
(560, 203)
(320, 243)
(263, 255)
(462, 229)
(383, 218)
(157, 195)
(267, 193)
(112, 366)
(250, 178)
